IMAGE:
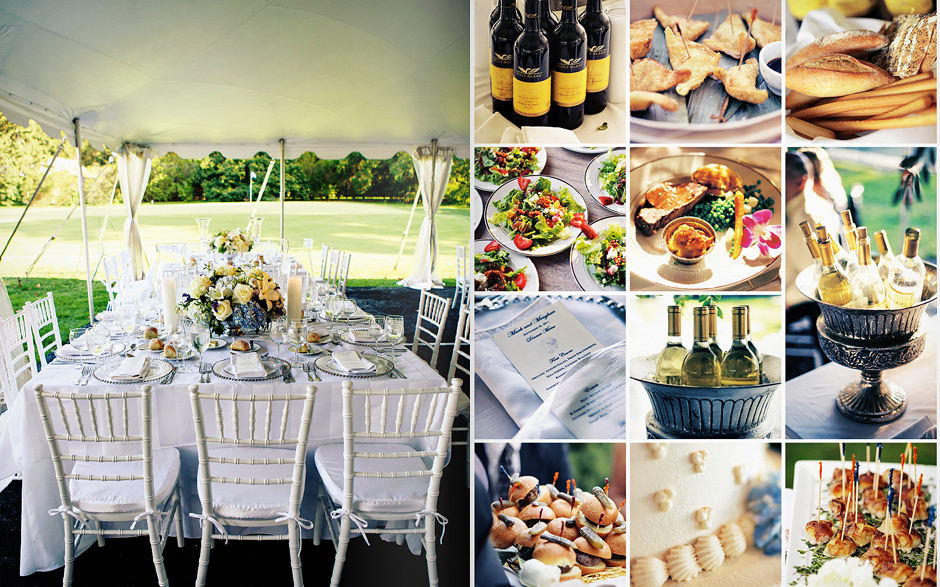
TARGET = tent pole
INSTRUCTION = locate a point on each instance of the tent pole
(433, 190)
(282, 192)
(404, 235)
(33, 197)
(81, 201)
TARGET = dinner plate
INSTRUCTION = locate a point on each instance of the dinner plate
(500, 234)
(253, 347)
(345, 337)
(272, 368)
(541, 158)
(593, 181)
(382, 367)
(583, 274)
(159, 368)
(515, 262)
(651, 262)
(585, 149)
(476, 208)
(806, 498)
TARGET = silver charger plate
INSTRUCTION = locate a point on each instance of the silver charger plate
(370, 344)
(271, 365)
(159, 369)
(117, 349)
(382, 367)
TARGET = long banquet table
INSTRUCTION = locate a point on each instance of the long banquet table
(23, 445)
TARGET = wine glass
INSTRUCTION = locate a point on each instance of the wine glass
(297, 335)
(278, 333)
(334, 305)
(394, 333)
(127, 320)
(349, 310)
(201, 338)
(182, 340)
(376, 327)
(97, 341)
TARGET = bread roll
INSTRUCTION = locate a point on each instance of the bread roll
(854, 43)
(240, 345)
(156, 344)
(313, 337)
(169, 352)
(836, 75)
(150, 333)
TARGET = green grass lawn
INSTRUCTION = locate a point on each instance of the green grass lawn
(370, 231)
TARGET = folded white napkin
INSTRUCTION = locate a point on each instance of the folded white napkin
(131, 368)
(67, 350)
(351, 362)
(361, 336)
(540, 135)
(247, 365)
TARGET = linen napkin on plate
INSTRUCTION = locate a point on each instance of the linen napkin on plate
(131, 368)
(247, 365)
(361, 336)
(67, 350)
(350, 362)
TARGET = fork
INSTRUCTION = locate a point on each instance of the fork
(310, 368)
(86, 369)
(204, 372)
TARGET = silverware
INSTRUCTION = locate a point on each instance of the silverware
(285, 373)
(85, 370)
(398, 373)
(204, 370)
(87, 376)
(170, 376)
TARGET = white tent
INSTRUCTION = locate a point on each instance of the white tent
(238, 76)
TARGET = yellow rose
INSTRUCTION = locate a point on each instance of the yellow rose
(222, 310)
(242, 293)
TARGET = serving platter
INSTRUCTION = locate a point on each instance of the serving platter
(500, 234)
(650, 262)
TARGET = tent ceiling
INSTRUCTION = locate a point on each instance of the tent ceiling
(235, 76)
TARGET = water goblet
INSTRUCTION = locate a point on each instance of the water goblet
(394, 333)
(297, 335)
(201, 338)
(278, 333)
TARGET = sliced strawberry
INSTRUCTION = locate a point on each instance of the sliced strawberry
(522, 242)
(606, 200)
(524, 183)
(493, 246)
(589, 232)
(520, 281)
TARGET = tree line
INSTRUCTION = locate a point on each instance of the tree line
(25, 152)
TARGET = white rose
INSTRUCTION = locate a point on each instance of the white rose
(219, 241)
(222, 310)
(242, 293)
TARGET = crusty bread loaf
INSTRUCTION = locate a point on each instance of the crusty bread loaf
(854, 43)
(913, 45)
(240, 345)
(836, 75)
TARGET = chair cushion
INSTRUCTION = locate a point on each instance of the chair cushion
(402, 495)
(104, 497)
(248, 502)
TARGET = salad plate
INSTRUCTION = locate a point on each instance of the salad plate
(585, 149)
(544, 239)
(606, 177)
(217, 344)
(590, 261)
(476, 208)
(514, 261)
(651, 262)
(521, 161)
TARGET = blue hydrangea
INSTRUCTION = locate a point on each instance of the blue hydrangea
(250, 316)
(763, 501)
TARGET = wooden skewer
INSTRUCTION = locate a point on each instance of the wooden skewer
(819, 503)
(691, 12)
(868, 458)
(916, 496)
(774, 22)
(923, 117)
(684, 44)
(901, 482)
(730, 20)
(741, 47)
(923, 565)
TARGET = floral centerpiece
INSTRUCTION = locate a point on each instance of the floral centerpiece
(231, 241)
(234, 299)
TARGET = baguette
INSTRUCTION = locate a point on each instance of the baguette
(854, 43)
(836, 75)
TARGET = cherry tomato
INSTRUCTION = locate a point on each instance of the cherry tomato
(606, 200)
(493, 246)
(520, 281)
(522, 242)
(524, 183)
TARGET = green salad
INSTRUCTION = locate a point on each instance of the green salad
(605, 255)
(613, 178)
(498, 164)
(534, 214)
(492, 271)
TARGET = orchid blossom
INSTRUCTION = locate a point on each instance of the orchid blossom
(759, 231)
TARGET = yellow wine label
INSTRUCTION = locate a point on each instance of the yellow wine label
(531, 98)
(568, 89)
(501, 82)
(598, 74)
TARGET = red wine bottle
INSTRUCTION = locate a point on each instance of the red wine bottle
(531, 77)
(494, 16)
(568, 49)
(597, 26)
(503, 37)
(547, 21)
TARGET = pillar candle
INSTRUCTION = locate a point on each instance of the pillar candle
(295, 288)
(170, 319)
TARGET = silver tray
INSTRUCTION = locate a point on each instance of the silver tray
(159, 368)
(218, 368)
(383, 367)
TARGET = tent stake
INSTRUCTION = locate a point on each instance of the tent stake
(81, 200)
(33, 197)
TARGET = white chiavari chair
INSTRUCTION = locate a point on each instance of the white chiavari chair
(245, 479)
(45, 326)
(460, 361)
(463, 276)
(429, 327)
(337, 270)
(143, 486)
(375, 476)
(19, 358)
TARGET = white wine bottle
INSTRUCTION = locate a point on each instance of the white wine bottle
(885, 254)
(531, 77)
(839, 255)
(740, 366)
(713, 331)
(868, 290)
(701, 368)
(669, 361)
(750, 343)
(810, 239)
(834, 287)
(906, 278)
(851, 243)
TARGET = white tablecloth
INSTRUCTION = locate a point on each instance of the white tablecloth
(811, 398)
(23, 445)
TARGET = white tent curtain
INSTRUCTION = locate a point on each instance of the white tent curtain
(134, 164)
(432, 166)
